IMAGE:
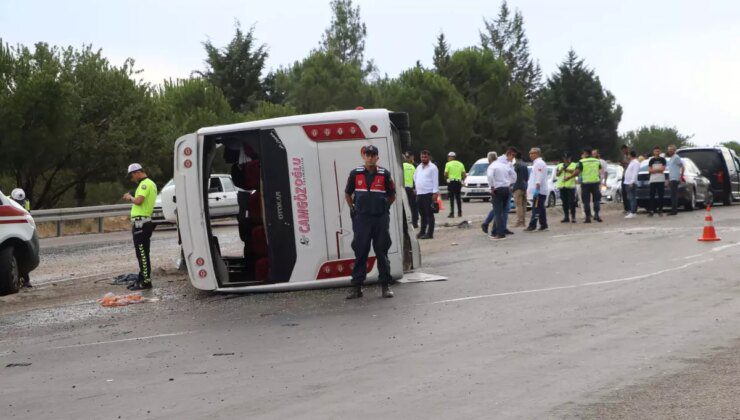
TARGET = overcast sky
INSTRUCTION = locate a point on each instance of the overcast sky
(673, 63)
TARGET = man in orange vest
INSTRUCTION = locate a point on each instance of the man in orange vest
(369, 193)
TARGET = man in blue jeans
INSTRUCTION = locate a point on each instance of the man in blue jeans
(538, 187)
(501, 175)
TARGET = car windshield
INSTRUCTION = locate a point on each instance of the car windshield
(479, 169)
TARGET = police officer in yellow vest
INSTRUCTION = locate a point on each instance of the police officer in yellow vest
(141, 223)
(589, 169)
(566, 183)
(454, 174)
(408, 182)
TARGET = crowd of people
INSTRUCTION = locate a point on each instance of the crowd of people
(511, 183)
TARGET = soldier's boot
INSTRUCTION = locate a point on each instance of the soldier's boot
(356, 293)
(386, 291)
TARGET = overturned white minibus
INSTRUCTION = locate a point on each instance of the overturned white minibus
(294, 227)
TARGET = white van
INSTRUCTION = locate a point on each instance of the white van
(301, 231)
(475, 185)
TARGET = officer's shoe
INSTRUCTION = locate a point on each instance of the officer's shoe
(141, 285)
(598, 219)
(356, 293)
(451, 215)
(387, 292)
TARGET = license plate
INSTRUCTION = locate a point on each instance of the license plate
(480, 190)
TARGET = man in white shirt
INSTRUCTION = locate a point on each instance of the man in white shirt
(630, 182)
(426, 182)
(538, 187)
(501, 175)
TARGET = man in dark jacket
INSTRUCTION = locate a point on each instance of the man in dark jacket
(520, 189)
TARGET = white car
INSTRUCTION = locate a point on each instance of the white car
(222, 201)
(475, 184)
(613, 189)
(19, 245)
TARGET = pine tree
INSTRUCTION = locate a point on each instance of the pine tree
(441, 55)
(345, 36)
(505, 36)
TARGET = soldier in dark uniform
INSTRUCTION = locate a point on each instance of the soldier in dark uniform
(369, 193)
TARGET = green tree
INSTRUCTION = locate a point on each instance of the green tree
(322, 82)
(646, 138)
(441, 119)
(38, 114)
(186, 105)
(505, 36)
(574, 111)
(236, 69)
(503, 117)
(345, 36)
(116, 122)
(441, 58)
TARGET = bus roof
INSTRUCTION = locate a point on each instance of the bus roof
(324, 117)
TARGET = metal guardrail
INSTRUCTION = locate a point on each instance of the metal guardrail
(59, 216)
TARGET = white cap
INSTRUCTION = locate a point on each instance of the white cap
(134, 167)
(18, 194)
(451, 154)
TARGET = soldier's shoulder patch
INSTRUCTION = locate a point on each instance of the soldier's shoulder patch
(143, 186)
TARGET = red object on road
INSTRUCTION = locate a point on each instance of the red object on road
(709, 234)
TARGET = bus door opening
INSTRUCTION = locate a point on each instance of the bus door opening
(244, 256)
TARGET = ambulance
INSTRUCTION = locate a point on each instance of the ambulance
(295, 229)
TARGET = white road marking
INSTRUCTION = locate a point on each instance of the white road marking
(573, 286)
(97, 343)
(715, 249)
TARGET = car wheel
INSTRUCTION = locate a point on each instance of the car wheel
(551, 200)
(728, 200)
(691, 201)
(10, 276)
(486, 199)
(466, 200)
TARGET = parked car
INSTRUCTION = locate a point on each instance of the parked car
(222, 200)
(694, 191)
(721, 166)
(19, 245)
(475, 185)
(612, 191)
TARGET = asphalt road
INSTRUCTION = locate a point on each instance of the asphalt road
(577, 322)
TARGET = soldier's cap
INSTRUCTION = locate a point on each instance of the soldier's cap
(134, 167)
(370, 150)
(451, 154)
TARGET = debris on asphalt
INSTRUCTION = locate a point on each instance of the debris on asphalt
(9, 365)
(223, 354)
(112, 300)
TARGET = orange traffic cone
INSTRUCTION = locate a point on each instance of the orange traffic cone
(439, 203)
(709, 234)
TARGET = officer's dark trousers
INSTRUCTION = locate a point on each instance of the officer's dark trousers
(590, 192)
(369, 229)
(412, 204)
(424, 202)
(674, 196)
(568, 197)
(657, 188)
(142, 240)
(454, 188)
(539, 212)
